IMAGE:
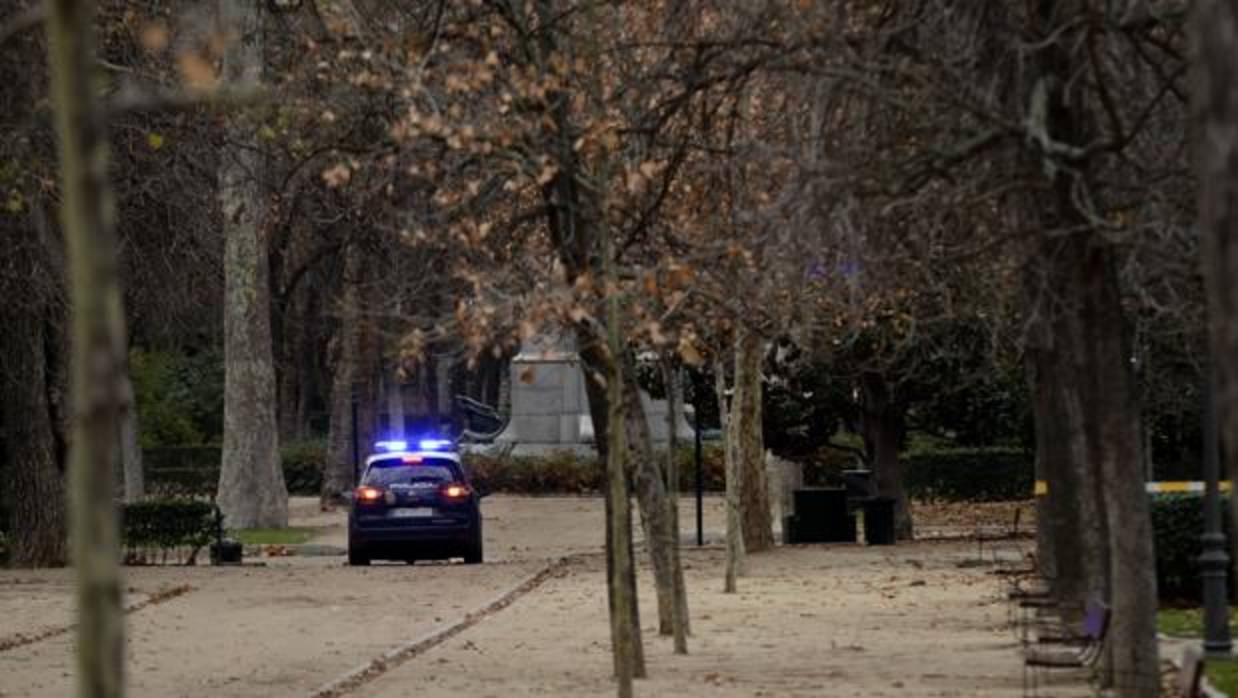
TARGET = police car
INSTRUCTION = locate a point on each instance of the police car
(415, 502)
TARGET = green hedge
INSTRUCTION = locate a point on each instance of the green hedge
(1177, 524)
(194, 470)
(564, 472)
(303, 463)
(969, 474)
(167, 524)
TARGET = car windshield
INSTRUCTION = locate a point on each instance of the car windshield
(394, 471)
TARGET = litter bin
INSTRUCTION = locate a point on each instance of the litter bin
(821, 516)
(859, 484)
(226, 552)
(879, 521)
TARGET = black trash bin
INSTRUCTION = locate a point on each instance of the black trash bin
(879, 521)
(859, 484)
(821, 516)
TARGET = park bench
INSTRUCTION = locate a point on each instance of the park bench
(1000, 537)
(1191, 673)
(1028, 594)
(1080, 650)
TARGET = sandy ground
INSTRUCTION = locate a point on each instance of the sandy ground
(808, 621)
(834, 620)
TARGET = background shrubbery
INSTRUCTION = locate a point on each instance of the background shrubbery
(969, 474)
(1177, 524)
(167, 525)
(194, 470)
(979, 474)
(564, 472)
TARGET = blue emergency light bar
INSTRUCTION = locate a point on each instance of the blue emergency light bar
(397, 446)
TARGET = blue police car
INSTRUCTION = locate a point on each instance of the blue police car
(415, 502)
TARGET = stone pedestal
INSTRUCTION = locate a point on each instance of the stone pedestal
(782, 477)
(549, 405)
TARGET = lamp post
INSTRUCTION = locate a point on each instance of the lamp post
(1213, 561)
(356, 450)
(700, 478)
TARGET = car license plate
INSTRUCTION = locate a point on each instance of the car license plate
(412, 513)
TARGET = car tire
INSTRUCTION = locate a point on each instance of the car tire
(357, 557)
(473, 553)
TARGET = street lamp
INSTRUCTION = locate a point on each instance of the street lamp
(1213, 561)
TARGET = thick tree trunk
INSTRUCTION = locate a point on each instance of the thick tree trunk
(37, 519)
(750, 445)
(1116, 415)
(883, 435)
(1074, 520)
(1097, 392)
(251, 481)
(98, 364)
(33, 383)
(734, 486)
(1215, 115)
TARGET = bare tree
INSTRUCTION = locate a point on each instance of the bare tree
(97, 365)
(251, 482)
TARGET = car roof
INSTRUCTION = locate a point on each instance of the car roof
(385, 455)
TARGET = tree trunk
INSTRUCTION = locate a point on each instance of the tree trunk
(623, 600)
(1074, 506)
(394, 399)
(593, 353)
(624, 619)
(734, 486)
(286, 332)
(340, 469)
(1116, 418)
(679, 611)
(37, 520)
(98, 362)
(883, 429)
(252, 493)
(130, 447)
(368, 368)
(1215, 114)
(1099, 392)
(651, 494)
(750, 445)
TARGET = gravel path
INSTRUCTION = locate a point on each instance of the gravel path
(809, 621)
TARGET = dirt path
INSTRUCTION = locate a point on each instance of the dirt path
(819, 620)
(809, 621)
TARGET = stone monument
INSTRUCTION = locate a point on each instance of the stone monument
(549, 405)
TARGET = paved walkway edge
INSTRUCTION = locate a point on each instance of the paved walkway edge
(399, 654)
(21, 640)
